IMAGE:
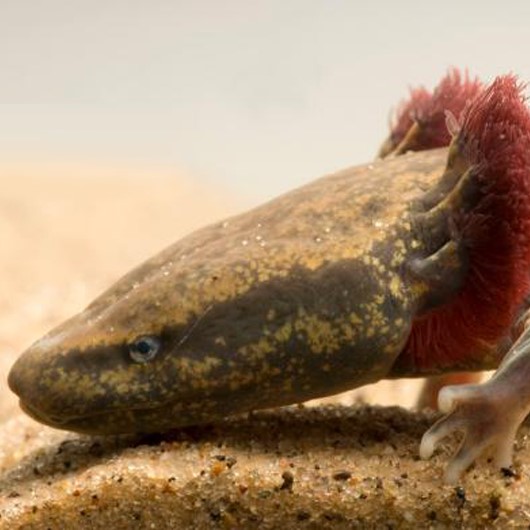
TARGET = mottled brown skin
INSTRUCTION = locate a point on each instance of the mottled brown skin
(308, 295)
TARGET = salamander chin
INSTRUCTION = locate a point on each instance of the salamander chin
(36, 414)
(114, 421)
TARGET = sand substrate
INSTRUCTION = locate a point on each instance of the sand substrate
(318, 468)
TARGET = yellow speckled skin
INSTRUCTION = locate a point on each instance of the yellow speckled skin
(305, 296)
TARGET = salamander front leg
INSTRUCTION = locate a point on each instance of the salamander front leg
(488, 414)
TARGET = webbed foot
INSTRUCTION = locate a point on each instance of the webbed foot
(488, 414)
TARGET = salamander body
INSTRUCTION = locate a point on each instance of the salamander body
(306, 296)
(408, 266)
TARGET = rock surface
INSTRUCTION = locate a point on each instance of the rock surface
(318, 468)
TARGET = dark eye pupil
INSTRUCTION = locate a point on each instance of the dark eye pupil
(144, 349)
(142, 346)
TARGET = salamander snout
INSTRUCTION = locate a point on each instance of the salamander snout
(24, 381)
(15, 379)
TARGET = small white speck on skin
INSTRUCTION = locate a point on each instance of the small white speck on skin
(262, 243)
(259, 238)
(318, 239)
(244, 242)
(378, 224)
(327, 229)
(371, 166)
(225, 224)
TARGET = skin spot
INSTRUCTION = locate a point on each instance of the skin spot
(389, 348)
(395, 287)
(284, 333)
(355, 319)
(220, 341)
(271, 315)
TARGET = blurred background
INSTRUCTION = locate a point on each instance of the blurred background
(126, 124)
(256, 97)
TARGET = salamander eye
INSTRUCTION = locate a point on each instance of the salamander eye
(144, 349)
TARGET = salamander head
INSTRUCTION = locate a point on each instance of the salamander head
(110, 369)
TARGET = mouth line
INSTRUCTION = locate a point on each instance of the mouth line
(38, 415)
(65, 421)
